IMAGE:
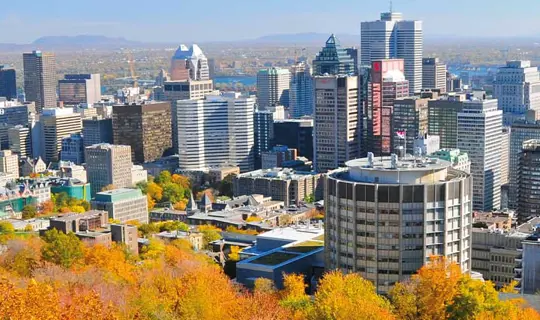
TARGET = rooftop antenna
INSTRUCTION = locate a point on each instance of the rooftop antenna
(391, 6)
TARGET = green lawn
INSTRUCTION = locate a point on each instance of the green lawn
(274, 258)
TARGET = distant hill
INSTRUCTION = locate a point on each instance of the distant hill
(308, 38)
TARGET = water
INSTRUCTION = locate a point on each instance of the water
(245, 80)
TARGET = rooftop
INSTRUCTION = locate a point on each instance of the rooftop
(118, 195)
(278, 174)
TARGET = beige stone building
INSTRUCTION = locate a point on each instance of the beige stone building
(58, 123)
(108, 164)
(9, 163)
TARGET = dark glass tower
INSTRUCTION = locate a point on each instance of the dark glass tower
(8, 85)
(333, 60)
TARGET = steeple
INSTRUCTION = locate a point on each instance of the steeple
(191, 206)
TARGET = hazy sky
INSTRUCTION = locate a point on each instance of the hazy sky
(213, 20)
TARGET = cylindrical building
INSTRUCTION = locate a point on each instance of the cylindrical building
(385, 217)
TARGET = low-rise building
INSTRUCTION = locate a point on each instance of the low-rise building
(530, 275)
(125, 234)
(167, 214)
(138, 174)
(281, 251)
(73, 148)
(72, 187)
(286, 185)
(196, 239)
(460, 160)
(170, 163)
(277, 156)
(76, 222)
(496, 220)
(123, 204)
(217, 174)
(29, 166)
(12, 201)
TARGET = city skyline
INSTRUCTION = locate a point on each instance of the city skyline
(33, 20)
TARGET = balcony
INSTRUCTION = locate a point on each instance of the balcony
(518, 260)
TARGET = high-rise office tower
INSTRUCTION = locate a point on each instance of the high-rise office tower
(58, 123)
(301, 91)
(12, 113)
(75, 89)
(9, 163)
(8, 83)
(20, 141)
(517, 87)
(410, 116)
(97, 130)
(528, 180)
(381, 221)
(333, 60)
(521, 131)
(73, 149)
(216, 131)
(505, 155)
(443, 118)
(479, 134)
(108, 164)
(336, 127)
(353, 52)
(296, 134)
(433, 74)
(392, 37)
(189, 78)
(263, 129)
(145, 127)
(40, 79)
(272, 86)
(189, 64)
(387, 83)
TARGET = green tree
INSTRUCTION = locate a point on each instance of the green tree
(310, 198)
(143, 186)
(225, 187)
(29, 212)
(6, 227)
(164, 177)
(147, 229)
(173, 226)
(62, 249)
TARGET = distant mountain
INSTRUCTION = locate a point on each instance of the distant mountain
(83, 41)
(307, 38)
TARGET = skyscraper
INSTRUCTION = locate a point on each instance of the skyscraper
(479, 134)
(528, 180)
(296, 134)
(216, 131)
(108, 164)
(443, 119)
(145, 127)
(517, 87)
(272, 86)
(521, 131)
(8, 83)
(97, 130)
(301, 91)
(189, 64)
(433, 74)
(381, 221)
(391, 37)
(336, 126)
(75, 89)
(57, 124)
(333, 60)
(20, 141)
(73, 149)
(263, 127)
(12, 113)
(387, 83)
(40, 79)
(410, 115)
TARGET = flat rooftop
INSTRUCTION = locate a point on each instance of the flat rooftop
(277, 174)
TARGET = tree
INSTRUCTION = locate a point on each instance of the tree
(29, 212)
(309, 199)
(349, 296)
(172, 193)
(226, 186)
(164, 177)
(294, 296)
(210, 233)
(147, 229)
(154, 191)
(47, 207)
(181, 180)
(61, 249)
(6, 227)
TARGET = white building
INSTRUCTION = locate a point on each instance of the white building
(138, 174)
(272, 87)
(20, 140)
(427, 144)
(479, 134)
(9, 163)
(58, 123)
(301, 91)
(517, 87)
(392, 37)
(215, 131)
(433, 74)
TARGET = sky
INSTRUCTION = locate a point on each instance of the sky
(214, 20)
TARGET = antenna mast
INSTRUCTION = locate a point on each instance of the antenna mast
(391, 6)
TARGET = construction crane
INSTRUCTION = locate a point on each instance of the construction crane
(131, 62)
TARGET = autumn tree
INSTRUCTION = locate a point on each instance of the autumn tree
(164, 177)
(349, 296)
(6, 227)
(47, 207)
(210, 233)
(29, 212)
(61, 249)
